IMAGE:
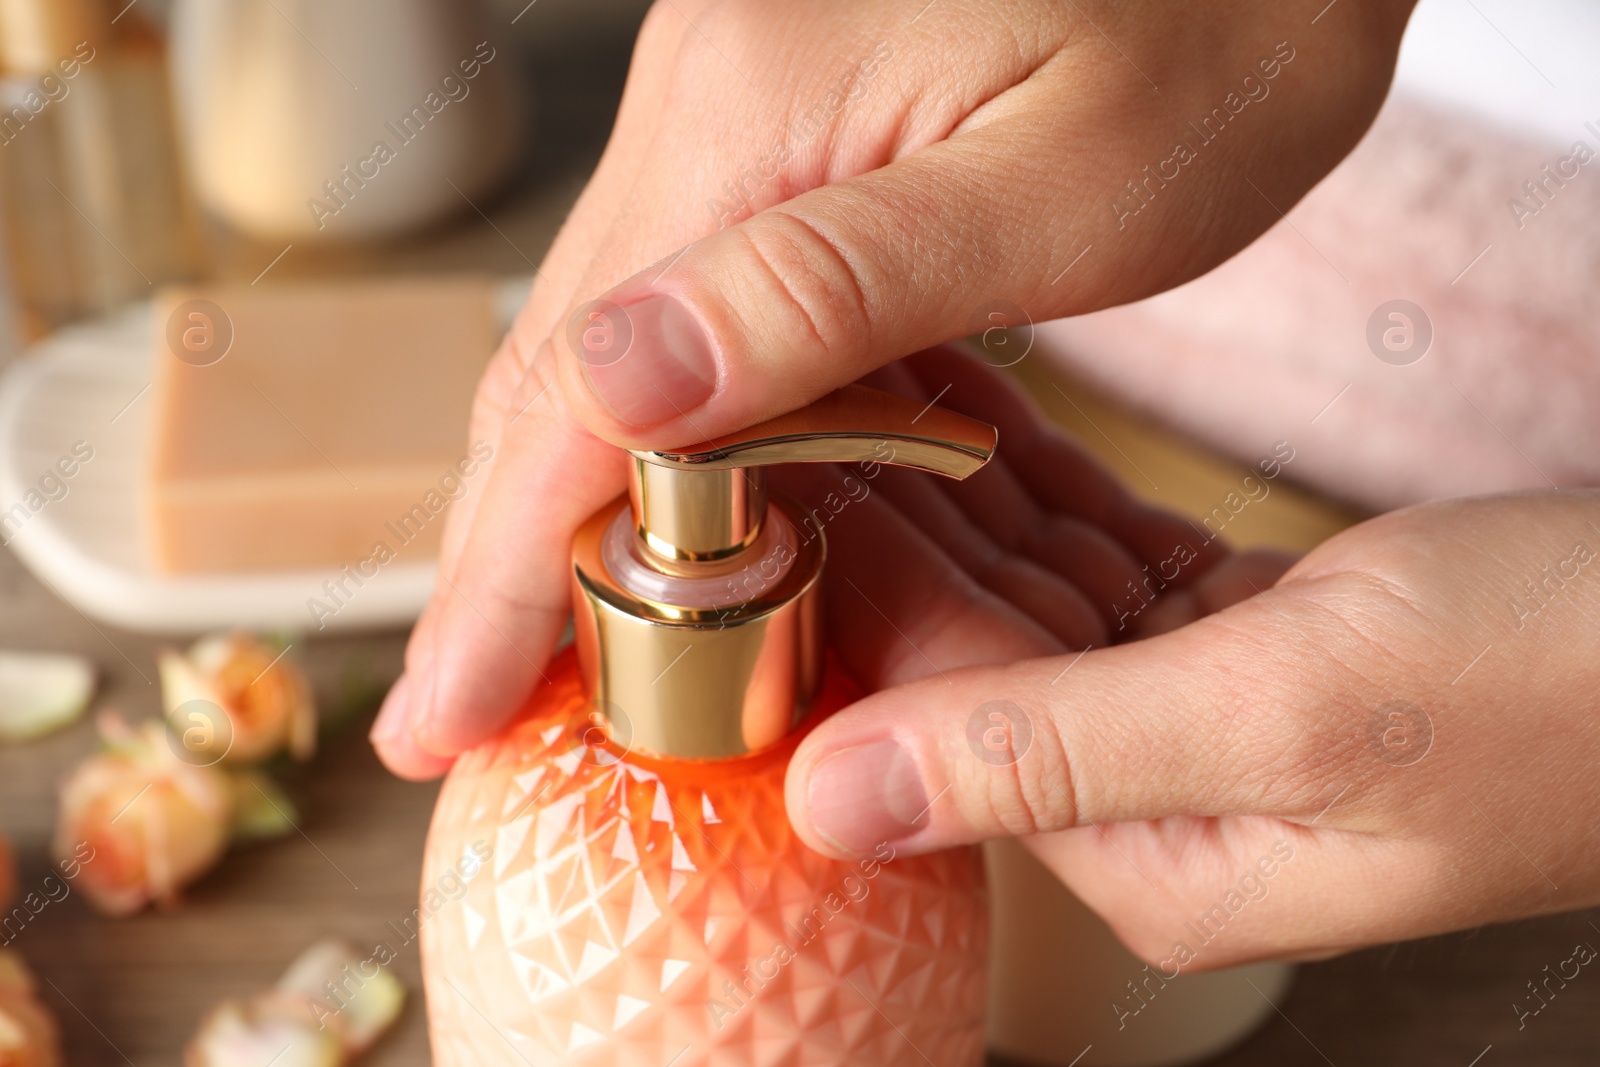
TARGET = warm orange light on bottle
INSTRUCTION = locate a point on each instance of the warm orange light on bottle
(662, 912)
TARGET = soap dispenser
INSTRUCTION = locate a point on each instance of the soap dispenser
(614, 880)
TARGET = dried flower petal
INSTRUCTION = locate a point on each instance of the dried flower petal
(265, 1029)
(330, 1006)
(41, 692)
(351, 992)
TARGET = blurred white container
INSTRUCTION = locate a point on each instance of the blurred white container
(284, 104)
(1056, 971)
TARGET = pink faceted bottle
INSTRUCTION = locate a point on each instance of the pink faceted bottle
(633, 892)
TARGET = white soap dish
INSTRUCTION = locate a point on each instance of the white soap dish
(83, 535)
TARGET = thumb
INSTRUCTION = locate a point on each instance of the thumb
(812, 294)
(1253, 711)
(1011, 216)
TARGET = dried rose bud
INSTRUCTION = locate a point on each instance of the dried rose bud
(265, 702)
(151, 821)
(29, 1036)
(330, 1006)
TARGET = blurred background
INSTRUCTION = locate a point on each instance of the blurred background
(261, 105)
(255, 254)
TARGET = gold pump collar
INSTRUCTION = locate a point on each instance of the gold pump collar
(696, 602)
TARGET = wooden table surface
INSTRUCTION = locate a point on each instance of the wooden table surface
(130, 991)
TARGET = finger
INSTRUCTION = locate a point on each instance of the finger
(923, 616)
(1055, 551)
(1076, 483)
(1053, 601)
(1228, 716)
(594, 217)
(1061, 475)
(504, 393)
(1027, 499)
(391, 736)
(513, 396)
(495, 620)
(810, 294)
(1236, 578)
(509, 382)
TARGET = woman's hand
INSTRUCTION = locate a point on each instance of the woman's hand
(1399, 738)
(1040, 552)
(797, 192)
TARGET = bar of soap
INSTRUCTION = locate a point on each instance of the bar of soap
(304, 425)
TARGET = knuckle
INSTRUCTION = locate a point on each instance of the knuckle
(1003, 800)
(812, 272)
(1025, 791)
(1055, 785)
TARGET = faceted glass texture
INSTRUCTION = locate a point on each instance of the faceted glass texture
(583, 905)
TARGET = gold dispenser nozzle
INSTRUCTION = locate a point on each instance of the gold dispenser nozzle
(697, 615)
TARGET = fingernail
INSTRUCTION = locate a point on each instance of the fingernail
(667, 369)
(391, 720)
(865, 795)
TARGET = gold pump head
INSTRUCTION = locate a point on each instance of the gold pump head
(695, 601)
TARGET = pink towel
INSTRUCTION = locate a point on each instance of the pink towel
(1425, 210)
